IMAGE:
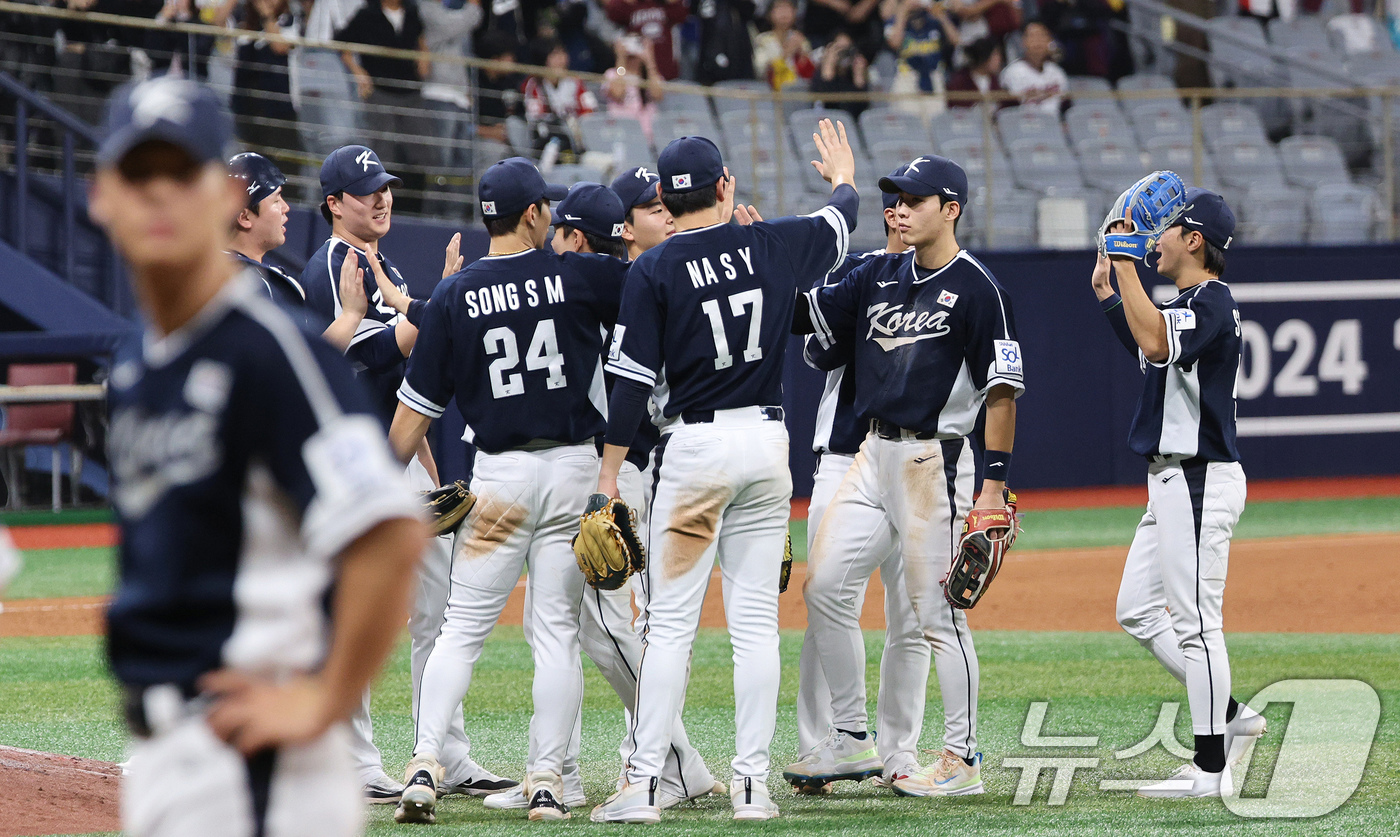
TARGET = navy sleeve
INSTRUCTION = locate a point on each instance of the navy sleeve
(817, 243)
(635, 352)
(322, 294)
(1192, 330)
(627, 408)
(605, 276)
(1118, 319)
(427, 384)
(835, 308)
(992, 352)
(825, 359)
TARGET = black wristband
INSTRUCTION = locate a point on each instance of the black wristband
(414, 315)
(998, 464)
(1111, 302)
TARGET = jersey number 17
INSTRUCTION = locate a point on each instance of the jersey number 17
(737, 302)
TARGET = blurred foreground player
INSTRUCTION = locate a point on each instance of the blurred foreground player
(268, 538)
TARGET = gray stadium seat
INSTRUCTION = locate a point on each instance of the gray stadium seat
(1358, 34)
(1039, 164)
(958, 123)
(758, 172)
(692, 103)
(1110, 164)
(1305, 32)
(1231, 122)
(1246, 67)
(620, 136)
(1146, 81)
(724, 104)
(1012, 219)
(567, 174)
(1178, 155)
(1343, 214)
(1017, 123)
(891, 153)
(1161, 121)
(1099, 119)
(976, 158)
(1272, 215)
(803, 124)
(887, 124)
(669, 126)
(518, 132)
(1246, 164)
(486, 153)
(740, 128)
(1089, 83)
(1313, 161)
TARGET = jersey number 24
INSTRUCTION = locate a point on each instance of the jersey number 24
(543, 353)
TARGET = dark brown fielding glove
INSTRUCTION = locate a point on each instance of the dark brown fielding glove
(446, 507)
(786, 574)
(987, 535)
(606, 546)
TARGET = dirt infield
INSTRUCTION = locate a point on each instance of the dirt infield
(1271, 589)
(49, 794)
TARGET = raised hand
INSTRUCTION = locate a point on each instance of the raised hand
(746, 215)
(352, 286)
(393, 297)
(838, 160)
(453, 261)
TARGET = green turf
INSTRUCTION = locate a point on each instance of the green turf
(54, 696)
(63, 517)
(49, 573)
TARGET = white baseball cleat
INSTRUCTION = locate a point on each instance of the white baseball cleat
(545, 790)
(514, 798)
(635, 803)
(1190, 782)
(669, 799)
(899, 767)
(1241, 732)
(471, 779)
(837, 757)
(379, 789)
(750, 799)
(419, 800)
(949, 776)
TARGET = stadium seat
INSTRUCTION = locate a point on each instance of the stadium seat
(698, 123)
(1039, 164)
(1342, 213)
(1110, 164)
(803, 123)
(1231, 122)
(887, 124)
(1064, 222)
(1161, 122)
(958, 123)
(1092, 84)
(520, 137)
(1098, 119)
(1272, 215)
(486, 153)
(724, 104)
(1305, 32)
(1146, 81)
(1178, 155)
(775, 184)
(1358, 34)
(1245, 67)
(691, 103)
(567, 174)
(47, 425)
(1017, 123)
(976, 158)
(887, 155)
(620, 136)
(1247, 164)
(1012, 218)
(1313, 161)
(740, 127)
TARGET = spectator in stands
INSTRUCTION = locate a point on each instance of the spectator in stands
(726, 50)
(1036, 80)
(986, 18)
(262, 91)
(1084, 31)
(842, 69)
(447, 28)
(653, 20)
(89, 59)
(783, 55)
(980, 75)
(328, 111)
(856, 18)
(633, 87)
(921, 34)
(498, 91)
(393, 88)
(554, 104)
(578, 25)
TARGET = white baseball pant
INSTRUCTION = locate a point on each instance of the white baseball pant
(909, 495)
(899, 707)
(527, 509)
(1173, 585)
(723, 489)
(424, 622)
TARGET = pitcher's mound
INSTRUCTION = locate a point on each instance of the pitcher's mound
(47, 793)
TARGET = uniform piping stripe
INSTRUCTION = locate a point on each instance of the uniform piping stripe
(298, 354)
(1005, 323)
(823, 331)
(1195, 477)
(260, 767)
(646, 588)
(952, 450)
(416, 402)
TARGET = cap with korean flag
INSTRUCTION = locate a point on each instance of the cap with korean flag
(929, 175)
(184, 113)
(593, 208)
(512, 185)
(689, 163)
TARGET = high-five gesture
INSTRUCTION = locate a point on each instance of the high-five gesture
(453, 262)
(838, 161)
(393, 297)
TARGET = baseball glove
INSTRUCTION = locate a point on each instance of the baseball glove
(445, 507)
(1148, 206)
(606, 546)
(987, 535)
(785, 575)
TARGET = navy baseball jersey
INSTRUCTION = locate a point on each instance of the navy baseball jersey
(518, 341)
(281, 288)
(928, 344)
(244, 458)
(374, 350)
(839, 429)
(1188, 400)
(712, 309)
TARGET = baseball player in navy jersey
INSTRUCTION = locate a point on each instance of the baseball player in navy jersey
(358, 203)
(712, 307)
(268, 537)
(933, 340)
(261, 227)
(1174, 579)
(648, 222)
(829, 754)
(516, 339)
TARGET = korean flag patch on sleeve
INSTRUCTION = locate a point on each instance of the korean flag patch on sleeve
(1007, 361)
(615, 349)
(1182, 319)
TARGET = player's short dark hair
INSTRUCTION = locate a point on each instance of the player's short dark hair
(506, 224)
(1215, 259)
(943, 201)
(685, 203)
(325, 208)
(598, 244)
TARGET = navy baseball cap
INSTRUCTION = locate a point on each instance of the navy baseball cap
(184, 113)
(689, 163)
(593, 208)
(260, 176)
(1208, 214)
(354, 169)
(930, 175)
(636, 187)
(512, 185)
(889, 199)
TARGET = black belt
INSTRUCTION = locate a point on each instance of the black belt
(890, 430)
(1193, 462)
(134, 707)
(708, 416)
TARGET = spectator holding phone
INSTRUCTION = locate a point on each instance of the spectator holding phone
(920, 33)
